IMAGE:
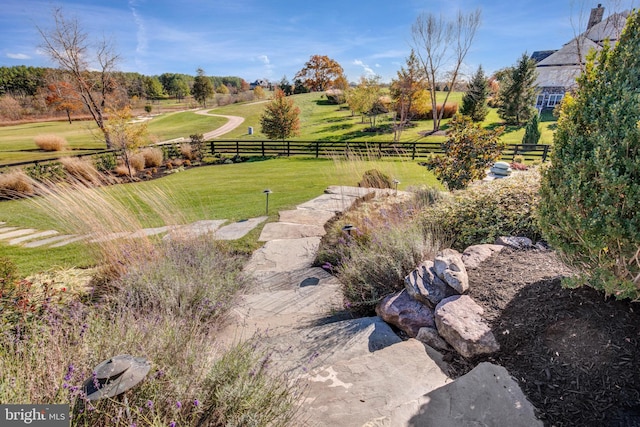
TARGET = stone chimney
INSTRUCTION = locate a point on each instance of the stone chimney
(596, 16)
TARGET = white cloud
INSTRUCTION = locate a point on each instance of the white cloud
(264, 59)
(141, 34)
(367, 70)
(18, 56)
(378, 65)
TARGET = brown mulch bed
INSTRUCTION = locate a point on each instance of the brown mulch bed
(575, 353)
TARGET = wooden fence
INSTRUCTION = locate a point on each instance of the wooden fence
(268, 148)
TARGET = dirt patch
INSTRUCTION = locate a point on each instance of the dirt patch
(575, 353)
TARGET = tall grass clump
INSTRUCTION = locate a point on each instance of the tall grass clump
(386, 243)
(164, 300)
(83, 170)
(153, 157)
(51, 142)
(484, 212)
(15, 183)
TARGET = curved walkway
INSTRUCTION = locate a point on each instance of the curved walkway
(234, 122)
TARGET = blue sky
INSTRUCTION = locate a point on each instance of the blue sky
(270, 39)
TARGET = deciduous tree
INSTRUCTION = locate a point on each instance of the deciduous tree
(468, 151)
(280, 119)
(319, 73)
(438, 44)
(517, 95)
(474, 101)
(68, 46)
(62, 96)
(202, 88)
(125, 135)
(404, 91)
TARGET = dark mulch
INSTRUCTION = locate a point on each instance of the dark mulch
(575, 353)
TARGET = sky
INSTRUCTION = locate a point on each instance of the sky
(272, 39)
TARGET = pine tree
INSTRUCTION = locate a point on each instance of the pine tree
(532, 131)
(474, 102)
(280, 119)
(517, 94)
(590, 195)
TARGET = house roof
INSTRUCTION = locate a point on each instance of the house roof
(610, 28)
(539, 55)
(571, 53)
(557, 76)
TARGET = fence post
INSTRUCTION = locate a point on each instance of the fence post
(544, 153)
(288, 148)
(413, 152)
(212, 147)
(317, 149)
(237, 148)
(262, 148)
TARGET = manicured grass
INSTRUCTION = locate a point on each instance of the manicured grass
(232, 192)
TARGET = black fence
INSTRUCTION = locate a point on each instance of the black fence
(268, 148)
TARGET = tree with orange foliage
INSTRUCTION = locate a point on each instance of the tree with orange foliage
(280, 119)
(63, 97)
(320, 73)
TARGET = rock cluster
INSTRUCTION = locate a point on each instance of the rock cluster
(433, 306)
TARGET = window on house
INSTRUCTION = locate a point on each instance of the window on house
(540, 101)
(554, 99)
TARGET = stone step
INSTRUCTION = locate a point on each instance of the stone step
(17, 233)
(50, 240)
(284, 255)
(34, 236)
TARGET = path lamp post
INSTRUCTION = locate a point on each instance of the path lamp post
(395, 184)
(348, 229)
(267, 192)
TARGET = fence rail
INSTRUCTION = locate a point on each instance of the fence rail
(268, 148)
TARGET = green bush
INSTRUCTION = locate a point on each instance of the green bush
(468, 151)
(591, 192)
(105, 162)
(504, 207)
(53, 171)
(8, 272)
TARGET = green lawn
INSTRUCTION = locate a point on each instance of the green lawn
(229, 192)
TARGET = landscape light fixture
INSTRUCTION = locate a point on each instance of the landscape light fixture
(395, 183)
(348, 228)
(267, 192)
(116, 375)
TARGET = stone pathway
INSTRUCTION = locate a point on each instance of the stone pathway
(355, 372)
(32, 238)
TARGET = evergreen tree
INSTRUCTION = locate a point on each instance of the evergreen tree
(532, 131)
(474, 102)
(202, 88)
(280, 119)
(590, 195)
(517, 95)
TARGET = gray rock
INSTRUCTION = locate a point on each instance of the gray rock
(432, 338)
(459, 321)
(475, 255)
(424, 285)
(450, 268)
(515, 242)
(409, 315)
(485, 396)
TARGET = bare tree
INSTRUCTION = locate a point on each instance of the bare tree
(68, 46)
(441, 47)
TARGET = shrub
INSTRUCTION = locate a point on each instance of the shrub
(373, 178)
(46, 172)
(186, 151)
(503, 207)
(137, 161)
(105, 162)
(197, 145)
(591, 191)
(153, 157)
(450, 110)
(51, 142)
(8, 273)
(15, 183)
(81, 169)
(121, 170)
(532, 131)
(468, 151)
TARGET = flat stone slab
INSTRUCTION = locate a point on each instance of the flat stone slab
(287, 230)
(145, 232)
(50, 240)
(197, 228)
(238, 229)
(486, 396)
(334, 203)
(6, 229)
(284, 255)
(71, 239)
(344, 190)
(306, 216)
(34, 236)
(17, 233)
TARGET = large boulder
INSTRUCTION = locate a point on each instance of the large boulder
(459, 321)
(432, 338)
(409, 315)
(449, 267)
(475, 255)
(424, 285)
